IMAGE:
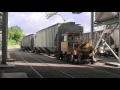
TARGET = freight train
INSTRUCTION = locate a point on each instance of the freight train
(62, 40)
(68, 42)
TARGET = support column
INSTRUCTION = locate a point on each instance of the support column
(119, 36)
(92, 38)
(92, 27)
(4, 36)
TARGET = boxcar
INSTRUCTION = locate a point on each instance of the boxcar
(48, 40)
(27, 42)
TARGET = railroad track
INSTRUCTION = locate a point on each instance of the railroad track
(41, 76)
(30, 57)
(92, 67)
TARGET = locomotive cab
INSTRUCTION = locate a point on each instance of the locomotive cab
(70, 42)
(69, 46)
(74, 50)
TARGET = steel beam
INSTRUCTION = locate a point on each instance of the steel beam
(102, 36)
(4, 36)
(111, 50)
(119, 38)
(107, 45)
(92, 28)
(98, 42)
(112, 21)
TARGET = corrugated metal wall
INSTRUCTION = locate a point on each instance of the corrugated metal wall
(26, 41)
(51, 37)
(45, 37)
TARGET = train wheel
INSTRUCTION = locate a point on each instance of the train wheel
(92, 61)
(66, 57)
(79, 60)
(75, 61)
(59, 56)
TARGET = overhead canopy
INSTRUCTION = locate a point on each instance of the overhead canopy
(108, 17)
(50, 14)
(0, 22)
(76, 12)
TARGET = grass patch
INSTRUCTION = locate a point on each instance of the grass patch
(13, 42)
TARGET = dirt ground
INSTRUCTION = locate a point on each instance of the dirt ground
(13, 48)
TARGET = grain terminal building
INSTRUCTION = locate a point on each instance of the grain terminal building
(101, 18)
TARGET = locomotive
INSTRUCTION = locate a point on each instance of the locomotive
(63, 40)
(68, 42)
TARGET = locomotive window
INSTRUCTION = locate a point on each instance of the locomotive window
(76, 37)
(62, 38)
(76, 45)
(70, 44)
(65, 38)
(70, 38)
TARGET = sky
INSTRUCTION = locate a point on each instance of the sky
(31, 22)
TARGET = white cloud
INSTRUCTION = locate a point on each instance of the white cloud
(88, 14)
(31, 22)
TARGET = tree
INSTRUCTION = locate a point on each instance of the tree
(15, 33)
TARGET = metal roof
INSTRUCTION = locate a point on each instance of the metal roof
(1, 21)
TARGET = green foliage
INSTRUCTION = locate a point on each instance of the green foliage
(12, 42)
(15, 34)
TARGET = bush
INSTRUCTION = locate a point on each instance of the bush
(13, 42)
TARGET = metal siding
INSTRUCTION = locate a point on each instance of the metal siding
(53, 36)
(47, 37)
(41, 39)
(26, 41)
(44, 38)
(50, 37)
(116, 37)
(89, 37)
(37, 40)
(105, 15)
(52, 30)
